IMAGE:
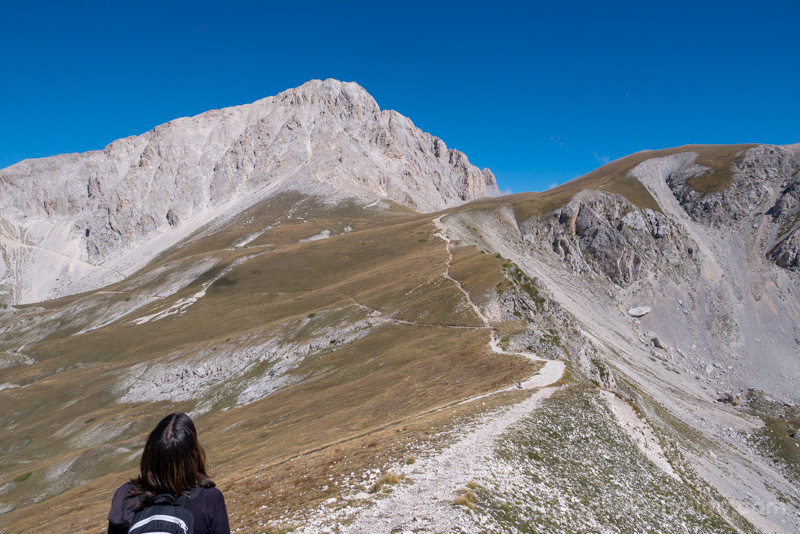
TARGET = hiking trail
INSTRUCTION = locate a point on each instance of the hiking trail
(425, 502)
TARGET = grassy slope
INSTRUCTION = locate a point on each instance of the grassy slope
(67, 416)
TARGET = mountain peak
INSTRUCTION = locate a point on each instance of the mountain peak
(85, 218)
(331, 91)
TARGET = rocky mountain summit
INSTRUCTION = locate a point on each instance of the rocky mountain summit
(93, 218)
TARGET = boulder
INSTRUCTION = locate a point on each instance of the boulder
(639, 311)
(730, 398)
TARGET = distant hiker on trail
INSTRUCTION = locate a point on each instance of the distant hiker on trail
(173, 492)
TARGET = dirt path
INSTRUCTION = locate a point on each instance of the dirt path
(426, 504)
(373, 313)
(552, 370)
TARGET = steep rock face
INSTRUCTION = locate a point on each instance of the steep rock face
(77, 213)
(786, 215)
(599, 232)
(766, 182)
(787, 253)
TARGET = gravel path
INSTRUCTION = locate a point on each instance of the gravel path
(426, 505)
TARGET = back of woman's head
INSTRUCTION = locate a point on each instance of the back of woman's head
(173, 461)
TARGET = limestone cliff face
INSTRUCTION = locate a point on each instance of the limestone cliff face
(604, 233)
(68, 222)
(758, 198)
(763, 196)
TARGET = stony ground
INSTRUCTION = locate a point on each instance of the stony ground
(570, 467)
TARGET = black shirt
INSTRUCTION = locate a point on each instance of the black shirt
(208, 509)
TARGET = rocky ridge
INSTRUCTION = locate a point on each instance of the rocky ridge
(96, 217)
(727, 254)
(605, 233)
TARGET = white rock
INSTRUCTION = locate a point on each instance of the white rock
(639, 311)
(635, 220)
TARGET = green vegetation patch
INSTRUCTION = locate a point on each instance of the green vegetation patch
(529, 286)
(23, 477)
(778, 438)
(602, 368)
(551, 337)
(721, 160)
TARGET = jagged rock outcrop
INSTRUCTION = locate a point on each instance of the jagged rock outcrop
(69, 217)
(785, 214)
(767, 181)
(604, 233)
(787, 253)
(744, 189)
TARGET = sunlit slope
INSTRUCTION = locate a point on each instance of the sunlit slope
(285, 344)
(615, 178)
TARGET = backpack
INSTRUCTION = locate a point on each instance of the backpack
(168, 517)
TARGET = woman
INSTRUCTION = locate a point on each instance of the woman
(173, 463)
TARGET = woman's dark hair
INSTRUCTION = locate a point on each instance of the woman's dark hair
(173, 461)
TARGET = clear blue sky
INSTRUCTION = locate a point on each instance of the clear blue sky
(538, 93)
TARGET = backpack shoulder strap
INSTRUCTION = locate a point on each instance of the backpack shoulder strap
(192, 495)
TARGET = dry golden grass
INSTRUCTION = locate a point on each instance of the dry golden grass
(387, 479)
(466, 498)
(275, 483)
(614, 178)
(721, 160)
(390, 387)
(477, 272)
